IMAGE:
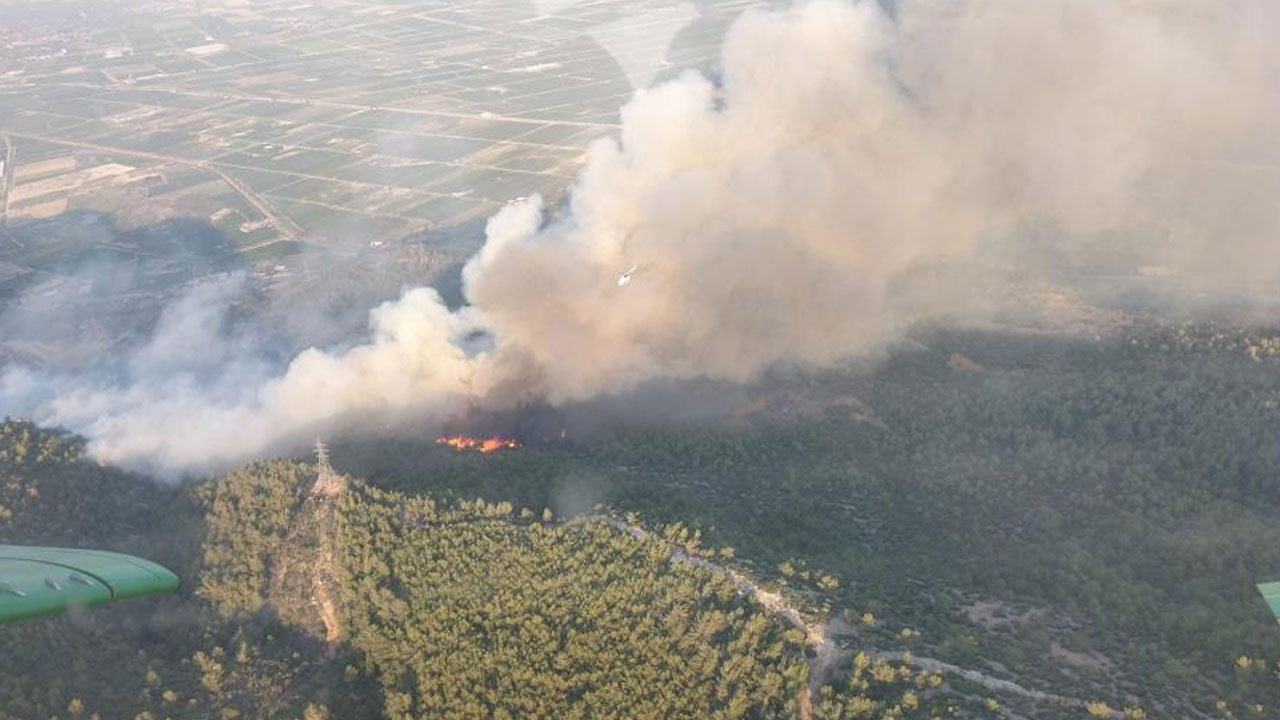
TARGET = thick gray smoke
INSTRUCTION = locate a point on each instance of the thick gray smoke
(830, 189)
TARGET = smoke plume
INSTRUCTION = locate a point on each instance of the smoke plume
(851, 170)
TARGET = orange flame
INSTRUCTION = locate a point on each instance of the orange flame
(463, 443)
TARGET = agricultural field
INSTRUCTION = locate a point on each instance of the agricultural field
(162, 142)
(343, 125)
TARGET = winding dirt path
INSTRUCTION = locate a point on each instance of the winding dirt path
(827, 649)
(826, 652)
(988, 681)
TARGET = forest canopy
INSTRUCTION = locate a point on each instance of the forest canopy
(1084, 519)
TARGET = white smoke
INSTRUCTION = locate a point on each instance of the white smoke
(176, 420)
(805, 209)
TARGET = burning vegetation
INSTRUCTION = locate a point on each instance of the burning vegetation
(463, 443)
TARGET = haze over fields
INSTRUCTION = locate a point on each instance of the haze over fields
(357, 121)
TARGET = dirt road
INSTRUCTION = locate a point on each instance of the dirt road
(827, 649)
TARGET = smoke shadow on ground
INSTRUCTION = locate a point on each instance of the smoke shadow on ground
(84, 289)
(80, 288)
(149, 256)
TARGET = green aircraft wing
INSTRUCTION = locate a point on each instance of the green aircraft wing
(1271, 593)
(40, 581)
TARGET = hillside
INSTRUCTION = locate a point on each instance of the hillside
(1082, 516)
(1047, 529)
(443, 608)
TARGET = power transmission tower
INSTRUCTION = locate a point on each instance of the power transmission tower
(322, 458)
(328, 482)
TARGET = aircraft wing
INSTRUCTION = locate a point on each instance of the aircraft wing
(1271, 593)
(40, 581)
